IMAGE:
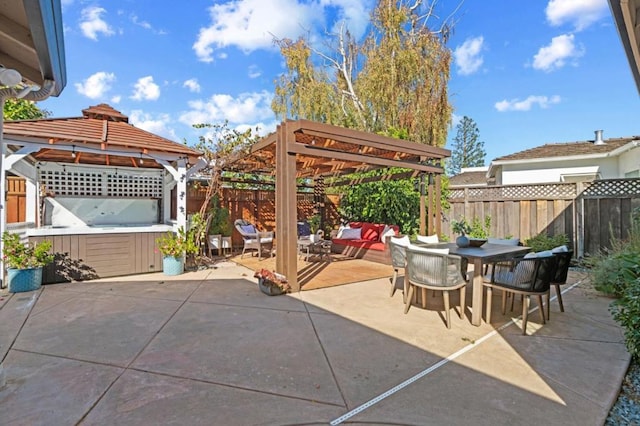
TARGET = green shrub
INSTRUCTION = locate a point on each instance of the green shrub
(617, 272)
(542, 242)
(626, 312)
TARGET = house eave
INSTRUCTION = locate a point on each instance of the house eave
(625, 14)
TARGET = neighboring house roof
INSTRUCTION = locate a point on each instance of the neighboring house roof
(567, 151)
(476, 176)
(627, 14)
(31, 41)
(101, 128)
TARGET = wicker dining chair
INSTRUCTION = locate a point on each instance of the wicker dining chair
(397, 249)
(434, 271)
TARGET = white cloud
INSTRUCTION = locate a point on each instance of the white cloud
(527, 104)
(455, 120)
(97, 85)
(192, 84)
(579, 13)
(252, 24)
(246, 108)
(156, 125)
(146, 89)
(92, 24)
(467, 56)
(555, 55)
(254, 71)
(116, 99)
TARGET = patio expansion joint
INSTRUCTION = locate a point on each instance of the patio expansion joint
(236, 305)
(326, 357)
(230, 386)
(24, 321)
(135, 357)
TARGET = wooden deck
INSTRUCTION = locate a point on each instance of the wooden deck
(319, 273)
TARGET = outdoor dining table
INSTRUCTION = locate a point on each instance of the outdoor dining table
(480, 256)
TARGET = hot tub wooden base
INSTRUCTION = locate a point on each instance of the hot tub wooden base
(98, 255)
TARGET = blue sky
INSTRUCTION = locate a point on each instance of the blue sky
(527, 72)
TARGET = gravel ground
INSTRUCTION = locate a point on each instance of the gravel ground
(626, 410)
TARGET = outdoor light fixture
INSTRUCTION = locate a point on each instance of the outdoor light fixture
(141, 160)
(9, 77)
(73, 151)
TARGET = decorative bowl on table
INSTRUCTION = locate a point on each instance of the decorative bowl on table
(476, 242)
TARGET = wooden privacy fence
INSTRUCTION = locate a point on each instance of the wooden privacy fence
(259, 207)
(590, 213)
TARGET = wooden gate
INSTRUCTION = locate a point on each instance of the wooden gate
(16, 199)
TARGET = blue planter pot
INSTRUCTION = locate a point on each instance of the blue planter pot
(172, 265)
(20, 280)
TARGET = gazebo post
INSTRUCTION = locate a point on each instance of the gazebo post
(286, 209)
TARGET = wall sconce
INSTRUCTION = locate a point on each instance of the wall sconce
(9, 77)
(73, 151)
(141, 161)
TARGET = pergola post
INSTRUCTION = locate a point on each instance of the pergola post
(286, 209)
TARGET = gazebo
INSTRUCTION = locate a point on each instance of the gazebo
(99, 187)
(307, 149)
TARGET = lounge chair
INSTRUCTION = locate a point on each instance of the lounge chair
(254, 239)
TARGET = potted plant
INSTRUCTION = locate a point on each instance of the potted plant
(314, 224)
(24, 262)
(219, 227)
(174, 246)
(461, 227)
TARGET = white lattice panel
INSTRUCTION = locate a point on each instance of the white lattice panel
(68, 182)
(87, 181)
(130, 185)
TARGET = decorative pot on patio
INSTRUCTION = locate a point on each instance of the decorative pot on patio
(20, 280)
(172, 265)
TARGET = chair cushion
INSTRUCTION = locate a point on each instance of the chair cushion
(428, 239)
(560, 249)
(304, 229)
(249, 229)
(388, 231)
(401, 241)
(429, 250)
(504, 241)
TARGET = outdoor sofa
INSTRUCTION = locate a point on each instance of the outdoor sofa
(364, 240)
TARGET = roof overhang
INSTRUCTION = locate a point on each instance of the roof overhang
(626, 14)
(31, 41)
(497, 164)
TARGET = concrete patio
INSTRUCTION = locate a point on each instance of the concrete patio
(208, 348)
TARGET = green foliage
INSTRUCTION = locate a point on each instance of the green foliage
(626, 312)
(314, 223)
(176, 244)
(22, 109)
(477, 228)
(617, 272)
(219, 222)
(19, 255)
(467, 150)
(396, 77)
(542, 242)
(383, 201)
(460, 227)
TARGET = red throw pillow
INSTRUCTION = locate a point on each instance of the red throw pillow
(355, 225)
(371, 232)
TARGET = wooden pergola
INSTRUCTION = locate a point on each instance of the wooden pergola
(307, 149)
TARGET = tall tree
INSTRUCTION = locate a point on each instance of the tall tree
(395, 78)
(21, 109)
(467, 150)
